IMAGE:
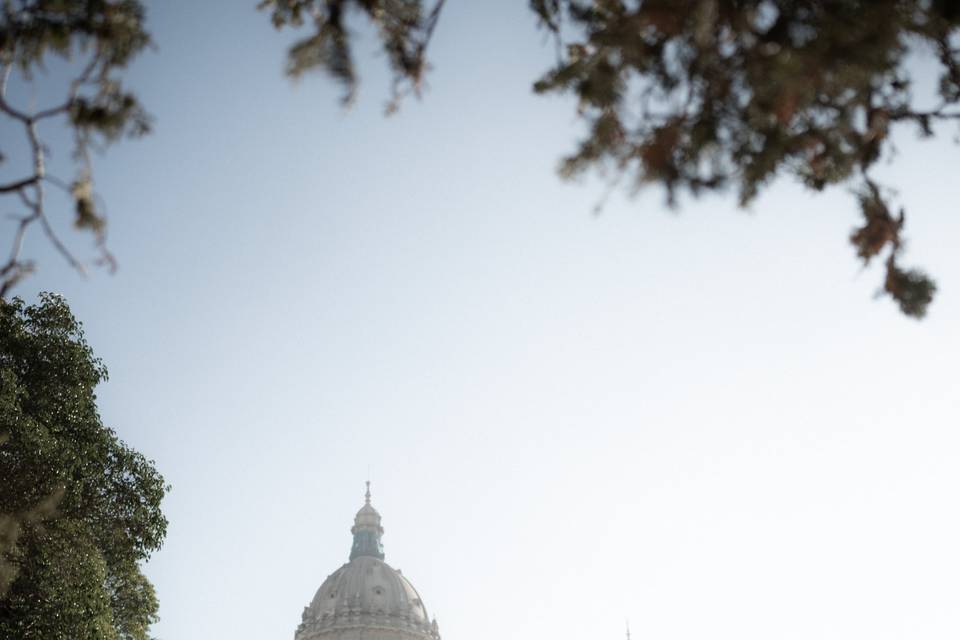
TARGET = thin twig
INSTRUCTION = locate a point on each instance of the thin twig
(75, 85)
(14, 260)
(4, 105)
(15, 268)
(40, 170)
(18, 185)
(432, 20)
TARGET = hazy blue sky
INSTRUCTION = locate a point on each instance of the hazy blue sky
(702, 421)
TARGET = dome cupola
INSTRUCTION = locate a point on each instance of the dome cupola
(367, 531)
(367, 599)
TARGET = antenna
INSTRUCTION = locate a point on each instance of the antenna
(628, 629)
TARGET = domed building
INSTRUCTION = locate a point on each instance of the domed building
(366, 599)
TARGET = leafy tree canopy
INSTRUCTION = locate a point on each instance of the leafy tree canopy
(82, 509)
(693, 95)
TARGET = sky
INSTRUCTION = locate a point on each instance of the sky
(699, 420)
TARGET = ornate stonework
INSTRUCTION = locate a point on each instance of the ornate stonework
(366, 599)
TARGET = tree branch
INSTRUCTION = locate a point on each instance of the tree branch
(15, 268)
(74, 89)
(19, 184)
(4, 105)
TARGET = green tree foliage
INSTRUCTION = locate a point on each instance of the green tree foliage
(83, 509)
(706, 95)
(101, 37)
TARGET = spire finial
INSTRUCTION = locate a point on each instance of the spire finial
(366, 531)
(628, 630)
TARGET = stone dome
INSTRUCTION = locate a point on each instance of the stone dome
(366, 599)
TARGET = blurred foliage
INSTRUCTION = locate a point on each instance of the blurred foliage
(105, 34)
(701, 95)
(404, 28)
(693, 95)
(706, 95)
(82, 509)
(99, 38)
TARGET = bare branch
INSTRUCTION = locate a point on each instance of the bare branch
(4, 105)
(15, 268)
(14, 259)
(40, 170)
(937, 114)
(18, 185)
